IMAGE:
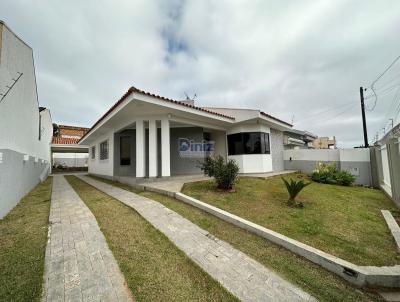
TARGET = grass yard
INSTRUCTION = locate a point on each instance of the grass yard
(322, 284)
(343, 221)
(154, 268)
(23, 238)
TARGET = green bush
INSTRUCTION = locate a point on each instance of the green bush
(329, 174)
(294, 187)
(225, 174)
(345, 178)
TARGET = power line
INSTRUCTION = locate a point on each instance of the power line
(377, 79)
(318, 114)
(386, 70)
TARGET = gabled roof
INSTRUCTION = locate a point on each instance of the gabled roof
(136, 90)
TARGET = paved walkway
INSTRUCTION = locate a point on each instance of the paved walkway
(79, 266)
(241, 275)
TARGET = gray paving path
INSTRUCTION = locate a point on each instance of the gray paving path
(79, 266)
(241, 275)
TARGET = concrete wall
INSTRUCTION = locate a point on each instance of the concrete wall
(19, 112)
(70, 159)
(18, 177)
(276, 138)
(385, 161)
(385, 166)
(181, 165)
(356, 161)
(24, 131)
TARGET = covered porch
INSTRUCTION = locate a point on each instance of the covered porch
(164, 146)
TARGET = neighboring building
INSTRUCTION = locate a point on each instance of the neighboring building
(25, 128)
(324, 143)
(65, 149)
(146, 135)
(298, 139)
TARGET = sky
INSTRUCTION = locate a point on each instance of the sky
(301, 61)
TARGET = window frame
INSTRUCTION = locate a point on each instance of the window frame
(107, 150)
(238, 145)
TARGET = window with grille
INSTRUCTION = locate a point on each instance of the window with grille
(93, 152)
(104, 150)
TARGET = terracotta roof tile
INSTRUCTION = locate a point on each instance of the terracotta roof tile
(64, 140)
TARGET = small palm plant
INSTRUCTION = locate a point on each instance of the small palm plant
(294, 187)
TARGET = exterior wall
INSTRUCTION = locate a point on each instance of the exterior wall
(102, 167)
(385, 160)
(276, 139)
(19, 112)
(356, 161)
(18, 177)
(221, 145)
(25, 133)
(180, 165)
(385, 166)
(253, 163)
(70, 159)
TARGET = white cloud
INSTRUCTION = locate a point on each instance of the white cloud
(286, 58)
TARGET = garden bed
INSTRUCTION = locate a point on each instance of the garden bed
(342, 221)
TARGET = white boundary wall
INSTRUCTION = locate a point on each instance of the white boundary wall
(356, 161)
(25, 133)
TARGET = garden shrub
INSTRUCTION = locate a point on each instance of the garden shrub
(345, 178)
(294, 187)
(225, 174)
(329, 174)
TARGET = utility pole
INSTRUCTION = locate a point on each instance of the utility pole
(392, 122)
(366, 145)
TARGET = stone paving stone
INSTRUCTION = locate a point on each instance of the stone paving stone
(75, 268)
(244, 277)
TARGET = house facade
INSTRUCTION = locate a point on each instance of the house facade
(25, 128)
(298, 139)
(145, 135)
(66, 152)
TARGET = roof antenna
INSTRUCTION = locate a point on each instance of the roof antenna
(188, 98)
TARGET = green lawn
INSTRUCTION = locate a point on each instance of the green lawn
(154, 268)
(343, 221)
(23, 238)
(322, 284)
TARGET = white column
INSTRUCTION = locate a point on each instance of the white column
(165, 148)
(153, 148)
(140, 148)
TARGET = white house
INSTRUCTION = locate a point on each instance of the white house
(25, 128)
(145, 135)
